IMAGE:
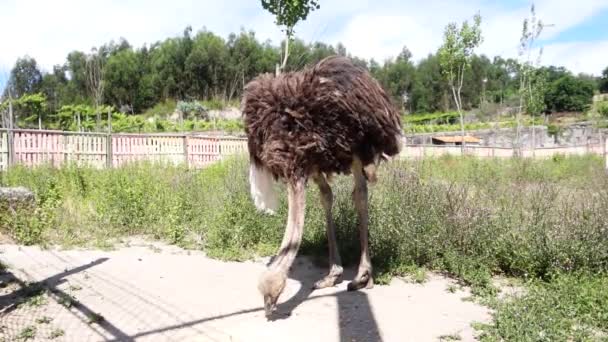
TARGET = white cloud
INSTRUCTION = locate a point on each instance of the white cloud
(382, 32)
(587, 57)
(49, 30)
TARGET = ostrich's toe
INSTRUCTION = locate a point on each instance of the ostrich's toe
(328, 281)
(334, 277)
(363, 280)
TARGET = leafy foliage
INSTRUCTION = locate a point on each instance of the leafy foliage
(25, 78)
(534, 95)
(569, 93)
(572, 307)
(203, 66)
(289, 12)
(193, 108)
(604, 81)
(602, 109)
(455, 57)
(434, 118)
(32, 106)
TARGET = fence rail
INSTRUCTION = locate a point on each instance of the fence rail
(37, 147)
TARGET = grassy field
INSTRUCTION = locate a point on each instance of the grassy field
(543, 224)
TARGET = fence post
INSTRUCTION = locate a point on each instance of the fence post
(109, 151)
(11, 133)
(186, 159)
(10, 146)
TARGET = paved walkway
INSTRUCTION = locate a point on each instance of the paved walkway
(161, 293)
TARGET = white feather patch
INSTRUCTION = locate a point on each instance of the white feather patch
(263, 193)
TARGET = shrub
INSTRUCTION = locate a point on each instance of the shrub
(192, 109)
(569, 93)
(569, 308)
(161, 109)
(466, 216)
(602, 109)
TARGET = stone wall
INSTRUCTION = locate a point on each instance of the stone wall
(574, 135)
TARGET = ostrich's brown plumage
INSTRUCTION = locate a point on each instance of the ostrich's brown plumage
(318, 120)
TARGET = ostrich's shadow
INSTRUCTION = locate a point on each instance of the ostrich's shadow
(355, 317)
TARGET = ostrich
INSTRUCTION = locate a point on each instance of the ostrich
(327, 119)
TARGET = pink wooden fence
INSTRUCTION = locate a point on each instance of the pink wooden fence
(33, 147)
(203, 151)
(129, 148)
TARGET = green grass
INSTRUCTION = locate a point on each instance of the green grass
(451, 337)
(56, 333)
(162, 109)
(94, 318)
(44, 320)
(27, 333)
(540, 221)
(570, 307)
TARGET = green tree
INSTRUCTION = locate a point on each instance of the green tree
(94, 71)
(244, 50)
(122, 77)
(429, 92)
(168, 64)
(54, 87)
(477, 82)
(25, 77)
(531, 30)
(397, 76)
(569, 94)
(455, 58)
(77, 71)
(32, 107)
(206, 65)
(604, 81)
(288, 13)
(299, 52)
(147, 91)
(320, 50)
(502, 79)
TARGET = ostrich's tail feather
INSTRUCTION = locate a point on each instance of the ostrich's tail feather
(262, 190)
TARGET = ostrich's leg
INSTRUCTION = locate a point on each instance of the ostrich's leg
(364, 275)
(272, 281)
(335, 264)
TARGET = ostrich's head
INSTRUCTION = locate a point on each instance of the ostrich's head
(271, 285)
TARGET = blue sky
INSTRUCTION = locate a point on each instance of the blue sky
(49, 30)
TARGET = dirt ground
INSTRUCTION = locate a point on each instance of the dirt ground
(153, 292)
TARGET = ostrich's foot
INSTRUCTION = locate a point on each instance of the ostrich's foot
(363, 279)
(334, 277)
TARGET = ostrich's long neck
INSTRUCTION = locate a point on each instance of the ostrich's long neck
(295, 226)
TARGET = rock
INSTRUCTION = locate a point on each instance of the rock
(16, 196)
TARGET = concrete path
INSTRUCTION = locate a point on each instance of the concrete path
(152, 292)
